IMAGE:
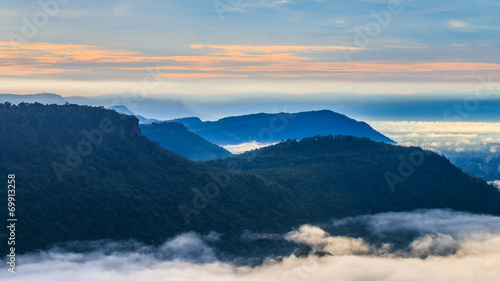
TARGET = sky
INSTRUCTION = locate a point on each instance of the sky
(88, 48)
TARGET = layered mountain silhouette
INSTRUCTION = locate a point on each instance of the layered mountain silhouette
(87, 173)
(176, 138)
(44, 98)
(271, 128)
(124, 110)
(153, 107)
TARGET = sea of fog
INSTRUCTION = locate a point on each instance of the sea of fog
(435, 136)
(472, 146)
(421, 245)
(444, 136)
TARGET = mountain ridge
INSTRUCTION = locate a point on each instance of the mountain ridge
(271, 128)
(175, 137)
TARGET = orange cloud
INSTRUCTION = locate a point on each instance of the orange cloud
(197, 75)
(215, 61)
(272, 49)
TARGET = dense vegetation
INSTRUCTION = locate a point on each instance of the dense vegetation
(344, 175)
(127, 187)
(86, 173)
(176, 138)
(483, 164)
(271, 128)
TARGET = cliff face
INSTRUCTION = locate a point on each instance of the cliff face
(131, 129)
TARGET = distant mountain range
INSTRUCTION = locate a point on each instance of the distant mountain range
(176, 138)
(124, 110)
(430, 106)
(44, 98)
(87, 173)
(156, 108)
(271, 128)
(262, 128)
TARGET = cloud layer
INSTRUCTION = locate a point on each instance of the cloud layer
(449, 246)
(444, 136)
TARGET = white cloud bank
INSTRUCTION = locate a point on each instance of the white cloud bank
(495, 184)
(244, 147)
(443, 136)
(474, 239)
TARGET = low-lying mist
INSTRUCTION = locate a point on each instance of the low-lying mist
(421, 245)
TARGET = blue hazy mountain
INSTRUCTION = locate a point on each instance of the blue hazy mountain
(124, 110)
(176, 138)
(43, 98)
(271, 128)
(427, 106)
(147, 106)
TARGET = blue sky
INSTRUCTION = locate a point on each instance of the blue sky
(231, 46)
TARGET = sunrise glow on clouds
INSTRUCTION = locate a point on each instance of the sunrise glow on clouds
(36, 58)
(255, 45)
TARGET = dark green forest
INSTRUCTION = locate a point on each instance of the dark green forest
(348, 176)
(87, 173)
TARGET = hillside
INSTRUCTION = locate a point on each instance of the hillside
(86, 173)
(271, 128)
(176, 138)
(351, 176)
(73, 184)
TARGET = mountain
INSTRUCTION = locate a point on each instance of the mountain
(144, 105)
(124, 110)
(271, 128)
(176, 138)
(43, 98)
(85, 173)
(427, 106)
(483, 164)
(351, 176)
